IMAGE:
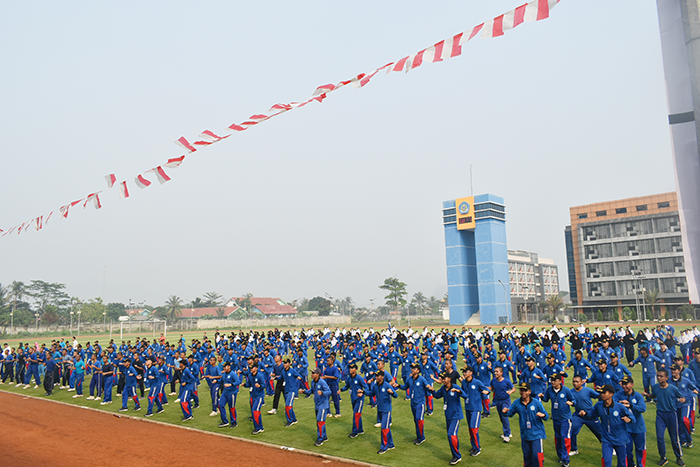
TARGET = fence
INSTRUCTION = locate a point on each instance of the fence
(271, 322)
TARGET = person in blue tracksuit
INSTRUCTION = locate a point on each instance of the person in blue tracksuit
(230, 384)
(322, 393)
(648, 369)
(79, 371)
(562, 400)
(502, 388)
(357, 387)
(580, 366)
(666, 396)
(383, 391)
(332, 375)
(473, 390)
(150, 374)
(291, 381)
(130, 382)
(212, 373)
(534, 377)
(108, 378)
(95, 366)
(195, 370)
(688, 392)
(614, 418)
(604, 375)
(257, 382)
(163, 374)
(582, 409)
(452, 396)
(32, 370)
(634, 401)
(417, 388)
(187, 384)
(532, 416)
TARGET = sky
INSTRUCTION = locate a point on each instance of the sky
(332, 198)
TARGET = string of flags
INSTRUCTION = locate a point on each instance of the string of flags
(535, 10)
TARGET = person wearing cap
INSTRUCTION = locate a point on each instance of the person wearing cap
(256, 382)
(520, 362)
(383, 392)
(552, 368)
(532, 433)
(212, 373)
(614, 419)
(357, 387)
(604, 375)
(322, 393)
(648, 368)
(452, 407)
(580, 366)
(502, 388)
(194, 368)
(539, 356)
(301, 365)
(473, 390)
(667, 396)
(151, 376)
(130, 378)
(483, 372)
(634, 401)
(418, 388)
(186, 386)
(276, 375)
(428, 369)
(582, 409)
(618, 368)
(108, 378)
(562, 400)
(230, 383)
(688, 392)
(534, 377)
(290, 385)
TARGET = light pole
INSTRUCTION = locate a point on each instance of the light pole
(79, 311)
(37, 321)
(636, 295)
(71, 322)
(104, 321)
(12, 319)
(505, 298)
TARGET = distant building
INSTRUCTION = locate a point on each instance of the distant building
(532, 277)
(618, 249)
(267, 306)
(189, 313)
(137, 311)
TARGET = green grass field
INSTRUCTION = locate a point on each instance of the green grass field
(435, 451)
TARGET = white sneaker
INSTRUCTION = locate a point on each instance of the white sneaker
(214, 413)
(573, 453)
(173, 394)
(104, 403)
(506, 439)
(71, 389)
(89, 398)
(503, 436)
(97, 398)
(272, 411)
(26, 386)
(77, 395)
(377, 425)
(337, 415)
(177, 400)
(36, 386)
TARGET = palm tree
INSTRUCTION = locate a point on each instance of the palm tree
(652, 298)
(220, 312)
(173, 307)
(348, 304)
(554, 303)
(17, 290)
(419, 302)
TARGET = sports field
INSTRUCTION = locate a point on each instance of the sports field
(435, 451)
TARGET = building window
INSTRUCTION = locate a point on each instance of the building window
(642, 207)
(583, 216)
(448, 219)
(449, 212)
(601, 213)
(620, 210)
(665, 204)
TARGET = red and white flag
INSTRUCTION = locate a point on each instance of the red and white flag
(185, 144)
(111, 180)
(39, 223)
(124, 190)
(174, 163)
(48, 217)
(141, 182)
(324, 89)
(95, 198)
(160, 173)
(235, 127)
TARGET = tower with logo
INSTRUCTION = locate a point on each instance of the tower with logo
(477, 259)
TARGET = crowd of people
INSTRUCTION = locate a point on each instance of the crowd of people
(376, 366)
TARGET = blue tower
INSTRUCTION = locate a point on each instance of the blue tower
(477, 259)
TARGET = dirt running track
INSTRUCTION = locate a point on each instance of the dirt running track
(35, 432)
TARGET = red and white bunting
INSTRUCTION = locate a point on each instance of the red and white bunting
(535, 10)
(123, 190)
(185, 144)
(141, 182)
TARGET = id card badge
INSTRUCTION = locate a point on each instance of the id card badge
(529, 425)
(645, 370)
(444, 407)
(467, 399)
(556, 405)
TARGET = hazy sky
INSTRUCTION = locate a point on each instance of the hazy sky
(331, 198)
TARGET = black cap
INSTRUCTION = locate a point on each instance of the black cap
(550, 355)
(601, 361)
(626, 379)
(352, 365)
(317, 371)
(555, 376)
(414, 365)
(467, 368)
(675, 367)
(524, 386)
(608, 388)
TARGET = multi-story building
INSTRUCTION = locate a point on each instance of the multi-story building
(532, 277)
(618, 249)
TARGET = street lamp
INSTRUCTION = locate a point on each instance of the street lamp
(104, 321)
(71, 322)
(79, 311)
(12, 319)
(37, 321)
